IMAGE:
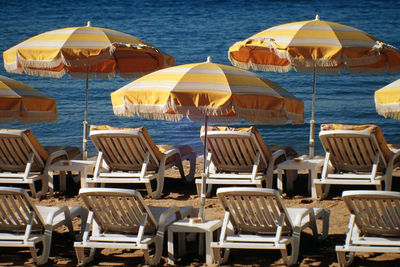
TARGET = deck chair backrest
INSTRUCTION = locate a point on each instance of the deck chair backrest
(355, 149)
(118, 210)
(125, 149)
(235, 149)
(16, 148)
(17, 211)
(376, 212)
(255, 210)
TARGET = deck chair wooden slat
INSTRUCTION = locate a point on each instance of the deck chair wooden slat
(356, 151)
(374, 224)
(257, 223)
(131, 157)
(135, 158)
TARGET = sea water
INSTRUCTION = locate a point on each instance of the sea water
(190, 31)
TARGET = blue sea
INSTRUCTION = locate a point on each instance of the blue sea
(190, 31)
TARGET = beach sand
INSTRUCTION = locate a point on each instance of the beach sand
(179, 193)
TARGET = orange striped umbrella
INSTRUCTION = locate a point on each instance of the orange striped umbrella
(84, 52)
(316, 46)
(20, 102)
(387, 100)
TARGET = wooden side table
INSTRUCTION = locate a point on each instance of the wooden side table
(291, 167)
(181, 227)
(80, 166)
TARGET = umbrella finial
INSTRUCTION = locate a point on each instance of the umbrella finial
(89, 24)
(317, 17)
(208, 59)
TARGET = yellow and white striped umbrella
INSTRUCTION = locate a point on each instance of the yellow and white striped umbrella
(316, 46)
(387, 100)
(20, 102)
(326, 46)
(84, 52)
(207, 92)
(222, 93)
(77, 50)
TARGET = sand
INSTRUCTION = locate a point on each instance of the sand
(180, 193)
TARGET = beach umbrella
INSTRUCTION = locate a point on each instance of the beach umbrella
(315, 46)
(387, 100)
(207, 92)
(20, 102)
(85, 52)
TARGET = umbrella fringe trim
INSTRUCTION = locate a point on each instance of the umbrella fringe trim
(325, 66)
(391, 110)
(258, 67)
(31, 63)
(158, 112)
(44, 73)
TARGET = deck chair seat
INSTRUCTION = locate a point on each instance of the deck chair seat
(130, 156)
(256, 218)
(374, 224)
(358, 154)
(119, 218)
(24, 224)
(237, 156)
(23, 160)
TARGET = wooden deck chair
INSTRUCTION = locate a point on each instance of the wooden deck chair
(374, 224)
(24, 224)
(119, 218)
(24, 161)
(358, 154)
(256, 218)
(132, 157)
(237, 156)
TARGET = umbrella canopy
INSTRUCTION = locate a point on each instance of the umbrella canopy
(387, 100)
(20, 102)
(84, 52)
(315, 46)
(203, 91)
(77, 50)
(222, 93)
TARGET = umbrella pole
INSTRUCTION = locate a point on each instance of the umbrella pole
(203, 175)
(312, 121)
(85, 122)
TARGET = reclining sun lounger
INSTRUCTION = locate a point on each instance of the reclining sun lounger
(131, 156)
(24, 161)
(374, 224)
(24, 224)
(256, 218)
(119, 218)
(358, 154)
(237, 156)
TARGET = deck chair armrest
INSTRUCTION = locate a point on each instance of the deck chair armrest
(52, 215)
(276, 155)
(394, 160)
(171, 152)
(297, 221)
(55, 155)
(166, 218)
